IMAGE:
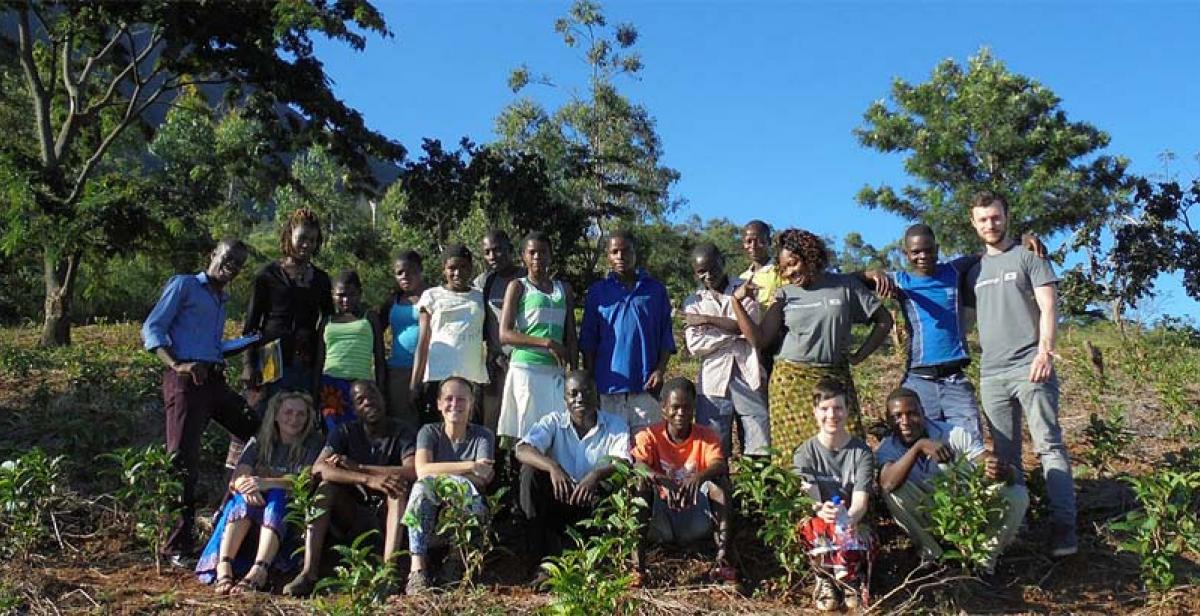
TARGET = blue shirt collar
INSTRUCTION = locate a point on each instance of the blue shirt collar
(639, 275)
(202, 278)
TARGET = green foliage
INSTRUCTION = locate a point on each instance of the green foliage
(776, 499)
(1107, 438)
(302, 509)
(592, 577)
(966, 511)
(471, 535)
(1167, 528)
(980, 127)
(31, 488)
(150, 490)
(361, 582)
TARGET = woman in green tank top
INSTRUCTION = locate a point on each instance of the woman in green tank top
(351, 349)
(538, 321)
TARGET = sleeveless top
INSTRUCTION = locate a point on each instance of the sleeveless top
(406, 330)
(542, 315)
(350, 350)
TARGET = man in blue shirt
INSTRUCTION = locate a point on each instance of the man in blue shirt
(932, 301)
(185, 331)
(626, 335)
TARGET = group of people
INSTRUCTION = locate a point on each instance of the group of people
(466, 380)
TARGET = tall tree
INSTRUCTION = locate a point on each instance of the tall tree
(93, 75)
(981, 127)
(601, 148)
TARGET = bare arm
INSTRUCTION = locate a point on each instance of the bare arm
(380, 357)
(426, 467)
(881, 324)
(858, 506)
(1043, 365)
(571, 337)
(421, 356)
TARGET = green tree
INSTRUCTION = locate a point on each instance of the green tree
(981, 127)
(601, 149)
(858, 255)
(85, 81)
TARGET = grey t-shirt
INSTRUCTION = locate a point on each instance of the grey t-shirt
(478, 444)
(962, 442)
(495, 304)
(818, 319)
(842, 472)
(1007, 311)
(281, 462)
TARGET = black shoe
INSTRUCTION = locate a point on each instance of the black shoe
(1063, 540)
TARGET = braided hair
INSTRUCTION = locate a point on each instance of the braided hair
(299, 218)
(808, 248)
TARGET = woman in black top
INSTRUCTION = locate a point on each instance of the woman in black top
(288, 303)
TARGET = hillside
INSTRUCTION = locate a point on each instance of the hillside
(102, 394)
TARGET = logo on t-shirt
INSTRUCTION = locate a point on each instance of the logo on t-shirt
(1010, 276)
(835, 301)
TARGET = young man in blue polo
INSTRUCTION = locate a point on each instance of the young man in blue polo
(626, 335)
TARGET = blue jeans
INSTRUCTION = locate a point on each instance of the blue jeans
(949, 399)
(749, 405)
(1007, 398)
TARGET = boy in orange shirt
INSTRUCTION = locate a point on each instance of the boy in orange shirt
(687, 486)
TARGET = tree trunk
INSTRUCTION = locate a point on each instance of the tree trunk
(60, 275)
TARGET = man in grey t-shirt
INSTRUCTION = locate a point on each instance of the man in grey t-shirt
(1016, 298)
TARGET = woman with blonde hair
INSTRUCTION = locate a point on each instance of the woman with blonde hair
(287, 442)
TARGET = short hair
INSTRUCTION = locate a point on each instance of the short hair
(367, 384)
(455, 251)
(828, 388)
(623, 234)
(460, 380)
(903, 393)
(919, 230)
(708, 249)
(807, 246)
(762, 227)
(233, 243)
(298, 218)
(680, 384)
(580, 373)
(410, 256)
(535, 236)
(498, 236)
(987, 198)
(348, 277)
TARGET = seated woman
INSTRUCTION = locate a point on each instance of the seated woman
(287, 442)
(839, 471)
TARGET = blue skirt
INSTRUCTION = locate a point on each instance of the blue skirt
(270, 515)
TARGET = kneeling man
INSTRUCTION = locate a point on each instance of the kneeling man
(912, 456)
(565, 457)
(688, 486)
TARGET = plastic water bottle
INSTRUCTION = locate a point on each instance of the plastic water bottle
(843, 531)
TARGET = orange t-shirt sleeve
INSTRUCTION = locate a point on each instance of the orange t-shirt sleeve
(709, 450)
(644, 450)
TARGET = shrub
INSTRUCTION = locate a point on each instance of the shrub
(302, 509)
(362, 580)
(1167, 527)
(1108, 438)
(151, 490)
(593, 577)
(776, 497)
(966, 511)
(470, 535)
(30, 490)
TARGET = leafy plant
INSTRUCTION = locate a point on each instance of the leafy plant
(302, 509)
(592, 578)
(362, 579)
(1108, 438)
(776, 498)
(966, 511)
(151, 490)
(30, 488)
(1166, 528)
(470, 535)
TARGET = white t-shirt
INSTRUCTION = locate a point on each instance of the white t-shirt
(456, 334)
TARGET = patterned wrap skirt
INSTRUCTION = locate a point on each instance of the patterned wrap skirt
(790, 400)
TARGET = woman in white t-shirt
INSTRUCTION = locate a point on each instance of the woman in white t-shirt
(451, 339)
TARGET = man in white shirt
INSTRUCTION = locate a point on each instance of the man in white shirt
(730, 381)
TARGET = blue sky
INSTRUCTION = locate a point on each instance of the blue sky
(756, 101)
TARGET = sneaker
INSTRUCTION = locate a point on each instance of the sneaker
(825, 594)
(418, 583)
(850, 596)
(300, 586)
(1063, 541)
(182, 561)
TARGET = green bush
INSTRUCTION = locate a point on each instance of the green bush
(1167, 527)
(150, 490)
(775, 497)
(966, 512)
(31, 488)
(471, 536)
(1107, 438)
(302, 509)
(360, 583)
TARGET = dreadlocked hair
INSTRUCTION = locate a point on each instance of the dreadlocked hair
(298, 218)
(807, 247)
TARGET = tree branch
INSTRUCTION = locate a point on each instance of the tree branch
(37, 91)
(76, 112)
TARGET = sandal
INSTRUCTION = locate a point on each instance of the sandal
(224, 583)
(248, 583)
